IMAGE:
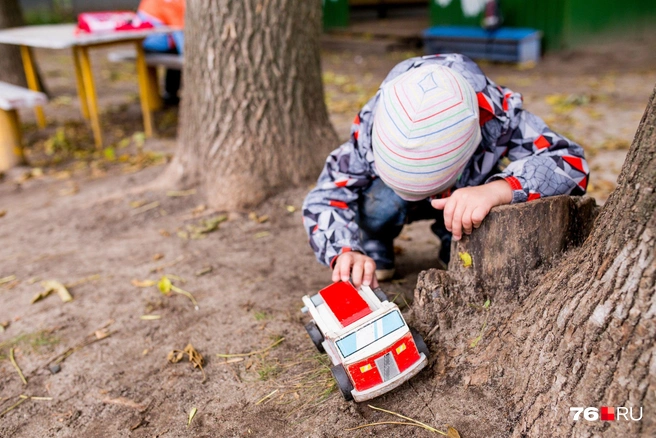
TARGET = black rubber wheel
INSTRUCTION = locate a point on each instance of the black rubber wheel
(419, 342)
(380, 294)
(315, 335)
(343, 381)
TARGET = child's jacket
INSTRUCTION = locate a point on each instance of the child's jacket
(543, 163)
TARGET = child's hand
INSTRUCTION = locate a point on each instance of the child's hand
(361, 269)
(466, 208)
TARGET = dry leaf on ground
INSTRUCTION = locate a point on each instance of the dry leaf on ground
(194, 356)
(143, 283)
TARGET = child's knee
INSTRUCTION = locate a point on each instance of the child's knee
(380, 208)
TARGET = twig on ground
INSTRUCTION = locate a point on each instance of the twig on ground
(418, 423)
(252, 353)
(13, 362)
(388, 422)
(23, 398)
(266, 397)
(145, 208)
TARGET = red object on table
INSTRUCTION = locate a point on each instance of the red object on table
(110, 21)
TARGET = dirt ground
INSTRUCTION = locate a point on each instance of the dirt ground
(87, 219)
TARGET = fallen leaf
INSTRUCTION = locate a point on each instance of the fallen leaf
(205, 226)
(145, 208)
(158, 256)
(164, 285)
(203, 271)
(451, 432)
(137, 204)
(487, 304)
(192, 414)
(3, 213)
(124, 402)
(3, 326)
(199, 209)
(53, 286)
(291, 208)
(194, 356)
(102, 334)
(8, 279)
(150, 317)
(109, 154)
(41, 295)
(143, 283)
(164, 233)
(261, 234)
(466, 259)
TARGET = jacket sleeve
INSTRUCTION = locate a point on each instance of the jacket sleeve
(330, 209)
(543, 163)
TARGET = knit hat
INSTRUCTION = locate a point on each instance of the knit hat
(425, 130)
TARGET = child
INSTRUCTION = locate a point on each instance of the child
(165, 13)
(428, 146)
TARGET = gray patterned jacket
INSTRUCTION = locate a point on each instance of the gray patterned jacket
(542, 163)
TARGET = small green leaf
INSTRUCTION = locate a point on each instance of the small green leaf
(487, 304)
(466, 259)
(110, 154)
(192, 414)
(164, 285)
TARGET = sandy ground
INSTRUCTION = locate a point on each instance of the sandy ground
(82, 217)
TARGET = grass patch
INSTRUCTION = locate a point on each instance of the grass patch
(34, 342)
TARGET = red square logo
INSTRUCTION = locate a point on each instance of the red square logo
(607, 413)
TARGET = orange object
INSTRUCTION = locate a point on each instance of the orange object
(169, 12)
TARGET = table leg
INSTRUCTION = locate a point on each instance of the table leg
(144, 89)
(84, 106)
(11, 151)
(154, 99)
(32, 82)
(90, 92)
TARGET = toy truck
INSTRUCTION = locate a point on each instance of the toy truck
(371, 347)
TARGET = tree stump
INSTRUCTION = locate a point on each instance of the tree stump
(515, 240)
(502, 259)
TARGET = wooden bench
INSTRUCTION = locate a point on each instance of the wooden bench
(153, 60)
(13, 98)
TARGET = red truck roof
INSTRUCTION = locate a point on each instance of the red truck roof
(345, 302)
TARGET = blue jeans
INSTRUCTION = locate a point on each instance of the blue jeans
(381, 217)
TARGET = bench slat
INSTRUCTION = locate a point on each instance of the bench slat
(15, 97)
(168, 60)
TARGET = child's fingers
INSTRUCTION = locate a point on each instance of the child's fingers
(438, 204)
(357, 272)
(467, 223)
(369, 270)
(477, 216)
(448, 212)
(345, 262)
(456, 222)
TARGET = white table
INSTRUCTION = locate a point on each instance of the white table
(65, 36)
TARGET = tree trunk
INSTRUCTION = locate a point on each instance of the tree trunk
(11, 66)
(578, 335)
(253, 117)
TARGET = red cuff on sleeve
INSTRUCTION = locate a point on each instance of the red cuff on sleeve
(332, 261)
(514, 183)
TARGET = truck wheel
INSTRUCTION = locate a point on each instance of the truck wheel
(419, 342)
(315, 335)
(343, 381)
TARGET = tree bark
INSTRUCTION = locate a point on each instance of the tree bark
(253, 117)
(11, 66)
(580, 335)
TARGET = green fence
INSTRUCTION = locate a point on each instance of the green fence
(564, 23)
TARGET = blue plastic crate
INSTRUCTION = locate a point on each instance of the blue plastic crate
(504, 44)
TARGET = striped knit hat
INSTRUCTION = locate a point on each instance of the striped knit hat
(425, 130)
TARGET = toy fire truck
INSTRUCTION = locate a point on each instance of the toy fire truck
(371, 347)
